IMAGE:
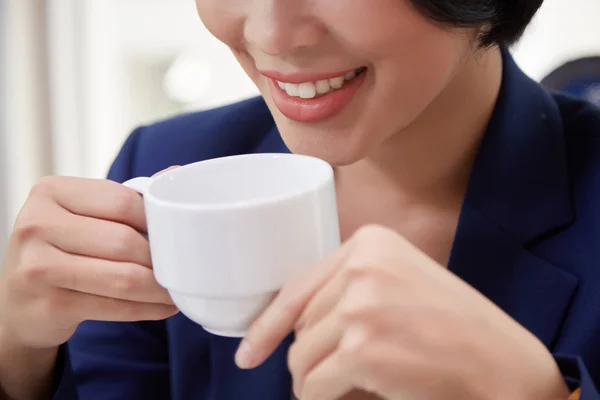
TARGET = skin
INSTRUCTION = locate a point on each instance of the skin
(405, 144)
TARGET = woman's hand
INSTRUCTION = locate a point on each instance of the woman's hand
(77, 253)
(382, 317)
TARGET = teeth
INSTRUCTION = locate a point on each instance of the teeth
(292, 89)
(337, 83)
(309, 90)
(323, 87)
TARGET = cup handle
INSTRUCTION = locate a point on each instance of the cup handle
(140, 184)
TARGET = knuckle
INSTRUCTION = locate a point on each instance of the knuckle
(125, 282)
(355, 344)
(375, 245)
(32, 222)
(372, 232)
(44, 187)
(123, 241)
(370, 237)
(357, 270)
(364, 303)
(300, 325)
(35, 266)
(27, 227)
(350, 310)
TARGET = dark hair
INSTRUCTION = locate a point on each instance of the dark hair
(502, 22)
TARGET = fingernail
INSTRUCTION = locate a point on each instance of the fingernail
(243, 356)
(166, 170)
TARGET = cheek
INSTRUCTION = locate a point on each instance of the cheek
(412, 61)
(223, 19)
(423, 65)
(372, 29)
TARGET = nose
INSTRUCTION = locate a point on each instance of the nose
(281, 27)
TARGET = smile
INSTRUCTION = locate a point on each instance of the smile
(310, 90)
(314, 97)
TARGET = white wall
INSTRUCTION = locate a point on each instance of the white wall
(4, 226)
(563, 30)
(25, 134)
(129, 46)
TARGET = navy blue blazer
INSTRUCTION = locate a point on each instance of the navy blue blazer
(528, 238)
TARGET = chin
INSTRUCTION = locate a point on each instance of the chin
(334, 157)
(337, 148)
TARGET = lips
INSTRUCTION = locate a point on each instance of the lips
(314, 97)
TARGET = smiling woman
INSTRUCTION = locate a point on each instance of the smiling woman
(317, 41)
(467, 198)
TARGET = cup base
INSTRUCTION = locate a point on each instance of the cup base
(229, 334)
(229, 317)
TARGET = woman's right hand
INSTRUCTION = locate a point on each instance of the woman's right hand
(77, 253)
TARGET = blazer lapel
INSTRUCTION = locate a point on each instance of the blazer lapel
(518, 196)
(532, 290)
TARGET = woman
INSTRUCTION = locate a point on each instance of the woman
(468, 200)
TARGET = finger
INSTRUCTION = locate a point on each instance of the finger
(166, 170)
(86, 307)
(97, 238)
(118, 280)
(279, 319)
(312, 346)
(330, 380)
(324, 301)
(357, 269)
(95, 198)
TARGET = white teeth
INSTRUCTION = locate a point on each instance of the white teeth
(323, 87)
(307, 90)
(337, 83)
(292, 89)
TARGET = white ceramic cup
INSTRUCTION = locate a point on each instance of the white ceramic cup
(226, 234)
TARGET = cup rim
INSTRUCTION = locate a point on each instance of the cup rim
(239, 205)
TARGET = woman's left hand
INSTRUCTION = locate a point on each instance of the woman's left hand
(381, 316)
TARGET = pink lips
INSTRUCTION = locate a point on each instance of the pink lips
(316, 109)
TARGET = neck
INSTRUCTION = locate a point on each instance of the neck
(431, 160)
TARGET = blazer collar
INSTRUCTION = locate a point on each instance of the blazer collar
(518, 195)
(520, 178)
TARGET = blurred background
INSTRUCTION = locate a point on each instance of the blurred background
(76, 76)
